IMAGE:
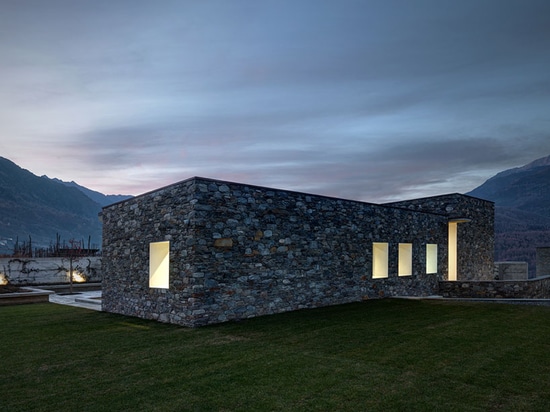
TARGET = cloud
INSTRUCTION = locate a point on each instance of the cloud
(367, 100)
(360, 168)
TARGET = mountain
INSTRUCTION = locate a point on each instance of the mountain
(37, 209)
(522, 210)
(525, 188)
(103, 200)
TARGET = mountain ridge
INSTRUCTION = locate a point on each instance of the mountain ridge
(522, 210)
(98, 197)
(38, 209)
(541, 162)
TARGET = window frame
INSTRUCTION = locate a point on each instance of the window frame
(159, 265)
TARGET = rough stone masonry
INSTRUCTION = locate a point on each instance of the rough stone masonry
(237, 251)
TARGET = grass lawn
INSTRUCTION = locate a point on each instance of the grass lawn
(383, 355)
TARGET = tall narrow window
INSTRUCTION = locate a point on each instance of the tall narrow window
(452, 251)
(379, 260)
(453, 242)
(431, 258)
(405, 259)
(159, 262)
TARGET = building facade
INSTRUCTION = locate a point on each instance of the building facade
(205, 251)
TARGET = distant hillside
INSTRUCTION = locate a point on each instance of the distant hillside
(103, 200)
(522, 210)
(525, 188)
(37, 209)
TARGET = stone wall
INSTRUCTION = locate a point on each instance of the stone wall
(48, 271)
(543, 261)
(538, 288)
(238, 251)
(128, 228)
(475, 237)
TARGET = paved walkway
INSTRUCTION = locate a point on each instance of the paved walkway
(87, 300)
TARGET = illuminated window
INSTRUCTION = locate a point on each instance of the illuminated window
(405, 259)
(431, 258)
(159, 261)
(379, 260)
(452, 251)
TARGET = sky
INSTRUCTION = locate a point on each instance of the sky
(374, 100)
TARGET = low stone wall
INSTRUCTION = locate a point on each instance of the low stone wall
(47, 271)
(537, 288)
(25, 296)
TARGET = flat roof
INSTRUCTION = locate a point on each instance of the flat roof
(390, 205)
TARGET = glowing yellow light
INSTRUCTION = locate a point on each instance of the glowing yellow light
(78, 277)
(452, 251)
(3, 279)
(159, 264)
(379, 260)
(431, 258)
(405, 259)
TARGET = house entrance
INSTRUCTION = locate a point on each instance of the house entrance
(453, 252)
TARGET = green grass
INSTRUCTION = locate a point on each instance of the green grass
(386, 355)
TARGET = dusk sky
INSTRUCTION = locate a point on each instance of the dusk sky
(374, 100)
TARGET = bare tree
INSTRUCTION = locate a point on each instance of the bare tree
(75, 252)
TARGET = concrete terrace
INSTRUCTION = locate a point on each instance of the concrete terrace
(86, 299)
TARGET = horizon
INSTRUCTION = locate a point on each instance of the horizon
(282, 188)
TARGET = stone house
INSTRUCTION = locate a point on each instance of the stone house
(205, 251)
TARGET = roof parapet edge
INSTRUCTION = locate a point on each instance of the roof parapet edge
(442, 195)
(208, 179)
